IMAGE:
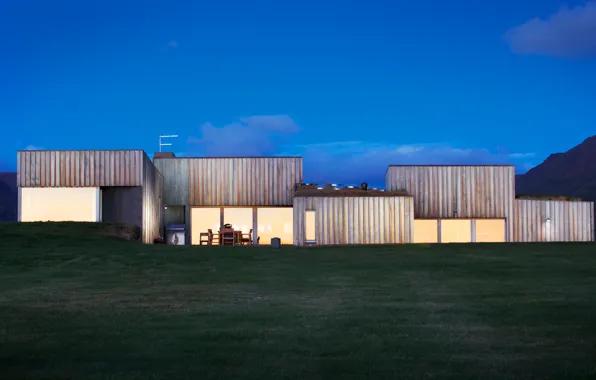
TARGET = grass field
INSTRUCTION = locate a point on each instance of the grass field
(78, 305)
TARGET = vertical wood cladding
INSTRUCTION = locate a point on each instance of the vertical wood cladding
(457, 191)
(230, 181)
(355, 220)
(102, 168)
(175, 173)
(153, 183)
(79, 168)
(542, 221)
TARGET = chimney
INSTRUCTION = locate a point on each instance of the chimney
(164, 155)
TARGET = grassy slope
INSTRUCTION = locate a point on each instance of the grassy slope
(97, 307)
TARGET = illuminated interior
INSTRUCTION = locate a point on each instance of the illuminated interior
(426, 231)
(239, 217)
(60, 204)
(310, 227)
(202, 219)
(275, 222)
(490, 230)
(456, 231)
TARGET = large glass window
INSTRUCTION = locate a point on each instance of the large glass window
(276, 222)
(60, 204)
(426, 231)
(239, 217)
(203, 219)
(456, 231)
(490, 230)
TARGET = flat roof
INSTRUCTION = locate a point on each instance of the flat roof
(80, 150)
(453, 165)
(212, 157)
(330, 191)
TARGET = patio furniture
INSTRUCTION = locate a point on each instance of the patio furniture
(208, 237)
(247, 238)
(214, 237)
(227, 236)
(204, 238)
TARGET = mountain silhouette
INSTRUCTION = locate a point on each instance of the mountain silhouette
(572, 174)
(9, 198)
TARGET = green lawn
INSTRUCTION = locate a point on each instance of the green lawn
(78, 305)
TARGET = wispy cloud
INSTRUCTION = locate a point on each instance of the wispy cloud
(33, 147)
(347, 162)
(250, 136)
(356, 161)
(569, 33)
(522, 155)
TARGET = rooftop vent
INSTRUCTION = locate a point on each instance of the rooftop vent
(164, 155)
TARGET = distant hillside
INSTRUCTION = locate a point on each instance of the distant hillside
(572, 173)
(9, 197)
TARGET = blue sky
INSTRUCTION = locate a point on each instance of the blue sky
(353, 86)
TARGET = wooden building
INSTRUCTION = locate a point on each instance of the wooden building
(330, 216)
(84, 185)
(458, 192)
(248, 192)
(553, 220)
(266, 197)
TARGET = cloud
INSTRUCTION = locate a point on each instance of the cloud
(250, 136)
(345, 162)
(353, 162)
(522, 155)
(33, 147)
(569, 33)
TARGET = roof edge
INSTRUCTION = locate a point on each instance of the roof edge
(452, 165)
(212, 157)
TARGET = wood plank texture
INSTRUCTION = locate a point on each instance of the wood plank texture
(175, 174)
(153, 183)
(356, 220)
(230, 181)
(457, 191)
(567, 221)
(79, 168)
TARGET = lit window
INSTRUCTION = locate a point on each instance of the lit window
(310, 227)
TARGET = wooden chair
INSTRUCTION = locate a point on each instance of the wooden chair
(227, 236)
(208, 237)
(247, 238)
(213, 237)
(204, 238)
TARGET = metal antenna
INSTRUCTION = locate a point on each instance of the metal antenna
(165, 137)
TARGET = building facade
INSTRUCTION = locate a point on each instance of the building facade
(254, 194)
(91, 186)
(265, 197)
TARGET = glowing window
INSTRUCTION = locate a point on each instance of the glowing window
(310, 227)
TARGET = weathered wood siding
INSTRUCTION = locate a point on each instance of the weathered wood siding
(105, 168)
(567, 221)
(230, 181)
(356, 220)
(152, 201)
(175, 175)
(79, 168)
(457, 191)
